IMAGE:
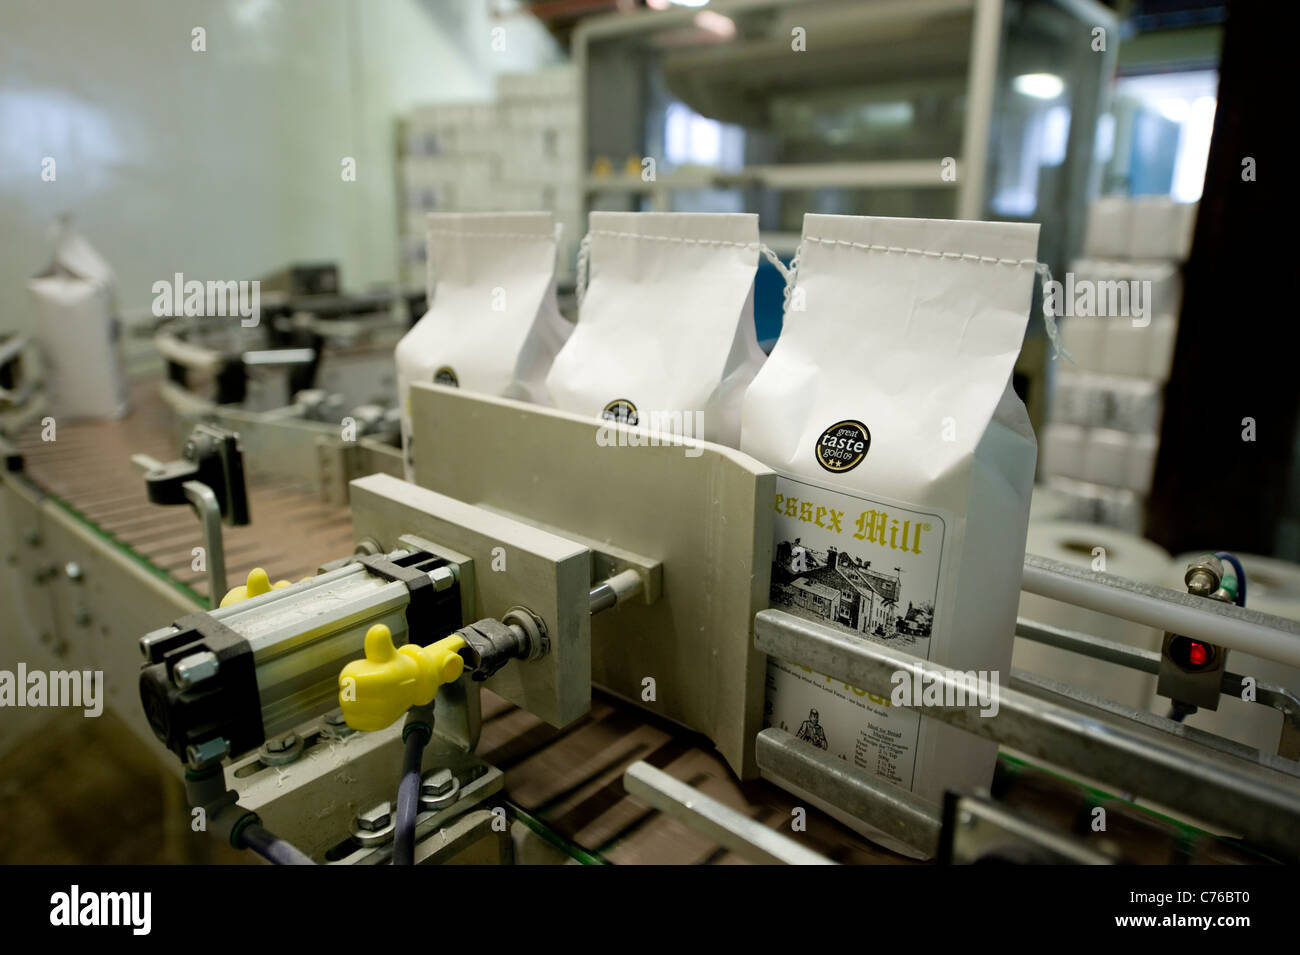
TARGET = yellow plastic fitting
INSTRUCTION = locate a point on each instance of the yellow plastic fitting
(258, 583)
(376, 691)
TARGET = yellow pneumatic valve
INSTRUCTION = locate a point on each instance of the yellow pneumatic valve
(376, 691)
(258, 583)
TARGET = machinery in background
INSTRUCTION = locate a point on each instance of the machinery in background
(306, 335)
(21, 400)
(315, 399)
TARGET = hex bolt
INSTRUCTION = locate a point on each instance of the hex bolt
(336, 725)
(437, 783)
(443, 578)
(210, 750)
(195, 668)
(438, 790)
(375, 818)
(73, 570)
(1204, 575)
(281, 744)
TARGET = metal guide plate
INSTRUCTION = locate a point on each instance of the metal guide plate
(515, 565)
(706, 516)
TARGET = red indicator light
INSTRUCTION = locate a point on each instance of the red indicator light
(1197, 654)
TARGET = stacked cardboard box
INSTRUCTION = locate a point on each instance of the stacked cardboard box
(518, 153)
(1120, 305)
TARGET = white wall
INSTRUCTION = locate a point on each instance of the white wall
(225, 164)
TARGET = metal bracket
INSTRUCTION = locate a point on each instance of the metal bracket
(1262, 804)
(214, 548)
(731, 829)
(1148, 661)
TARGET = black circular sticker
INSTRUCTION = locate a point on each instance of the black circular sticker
(843, 445)
(446, 376)
(621, 410)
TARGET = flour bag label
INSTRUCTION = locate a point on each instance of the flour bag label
(868, 567)
(905, 464)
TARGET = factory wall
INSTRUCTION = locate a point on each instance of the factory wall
(226, 163)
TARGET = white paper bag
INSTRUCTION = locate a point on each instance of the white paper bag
(78, 331)
(667, 322)
(906, 464)
(493, 325)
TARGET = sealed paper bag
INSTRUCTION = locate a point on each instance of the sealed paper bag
(906, 464)
(666, 326)
(78, 330)
(493, 325)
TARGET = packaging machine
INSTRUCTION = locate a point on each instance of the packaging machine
(578, 646)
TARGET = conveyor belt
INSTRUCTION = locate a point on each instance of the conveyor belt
(88, 467)
(567, 783)
(571, 781)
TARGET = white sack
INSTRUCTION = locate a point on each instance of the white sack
(667, 322)
(493, 325)
(76, 325)
(906, 466)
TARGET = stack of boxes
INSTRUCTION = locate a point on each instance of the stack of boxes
(516, 154)
(1121, 304)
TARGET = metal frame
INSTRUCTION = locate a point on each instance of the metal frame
(731, 829)
(1148, 661)
(832, 784)
(1227, 791)
(204, 501)
(986, 39)
(1226, 625)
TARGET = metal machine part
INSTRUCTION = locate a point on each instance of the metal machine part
(311, 440)
(515, 565)
(17, 386)
(1222, 624)
(615, 590)
(1192, 670)
(491, 644)
(1033, 816)
(731, 829)
(255, 669)
(698, 511)
(977, 829)
(1261, 803)
(447, 792)
(308, 780)
(211, 457)
(1149, 661)
(210, 478)
(827, 782)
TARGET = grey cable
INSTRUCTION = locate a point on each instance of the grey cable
(408, 797)
(271, 847)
